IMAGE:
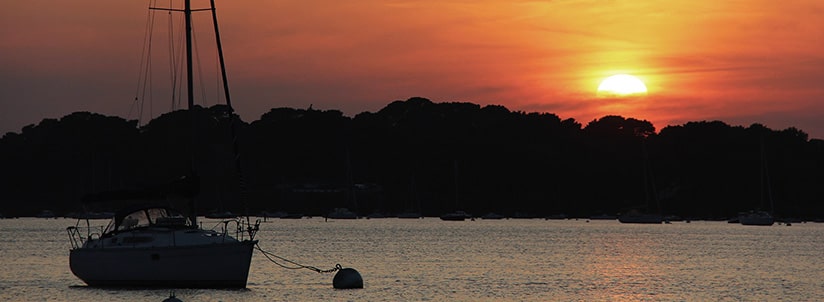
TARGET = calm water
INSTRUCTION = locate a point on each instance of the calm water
(503, 260)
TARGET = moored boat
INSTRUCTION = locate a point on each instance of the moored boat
(756, 218)
(455, 216)
(492, 216)
(342, 213)
(634, 216)
(151, 240)
(157, 246)
(759, 217)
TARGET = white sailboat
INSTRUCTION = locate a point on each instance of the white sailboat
(152, 242)
(156, 245)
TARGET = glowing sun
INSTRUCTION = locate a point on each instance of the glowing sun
(621, 85)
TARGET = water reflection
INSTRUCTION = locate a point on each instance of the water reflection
(624, 267)
(502, 260)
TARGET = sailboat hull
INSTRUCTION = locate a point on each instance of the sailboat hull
(757, 221)
(200, 266)
(641, 218)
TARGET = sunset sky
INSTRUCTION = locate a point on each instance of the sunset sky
(740, 62)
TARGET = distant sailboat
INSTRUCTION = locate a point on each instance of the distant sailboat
(646, 217)
(350, 195)
(412, 208)
(457, 215)
(45, 214)
(760, 217)
(754, 217)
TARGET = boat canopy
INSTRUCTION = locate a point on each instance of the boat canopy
(146, 216)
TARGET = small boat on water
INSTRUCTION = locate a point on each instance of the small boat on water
(45, 214)
(376, 215)
(492, 216)
(602, 217)
(342, 213)
(634, 216)
(456, 216)
(761, 218)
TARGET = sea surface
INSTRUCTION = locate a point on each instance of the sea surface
(484, 260)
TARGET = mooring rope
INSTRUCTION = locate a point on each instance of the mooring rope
(269, 256)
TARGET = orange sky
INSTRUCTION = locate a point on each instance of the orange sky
(741, 62)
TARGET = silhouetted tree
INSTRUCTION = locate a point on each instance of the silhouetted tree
(416, 152)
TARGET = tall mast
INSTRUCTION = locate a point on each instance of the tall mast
(187, 13)
(233, 127)
(220, 56)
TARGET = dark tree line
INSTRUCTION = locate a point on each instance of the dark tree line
(416, 155)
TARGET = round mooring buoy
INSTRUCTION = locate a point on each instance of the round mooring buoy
(347, 278)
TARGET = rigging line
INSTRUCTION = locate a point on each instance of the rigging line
(147, 82)
(176, 61)
(177, 57)
(217, 80)
(181, 67)
(172, 62)
(199, 66)
(141, 73)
